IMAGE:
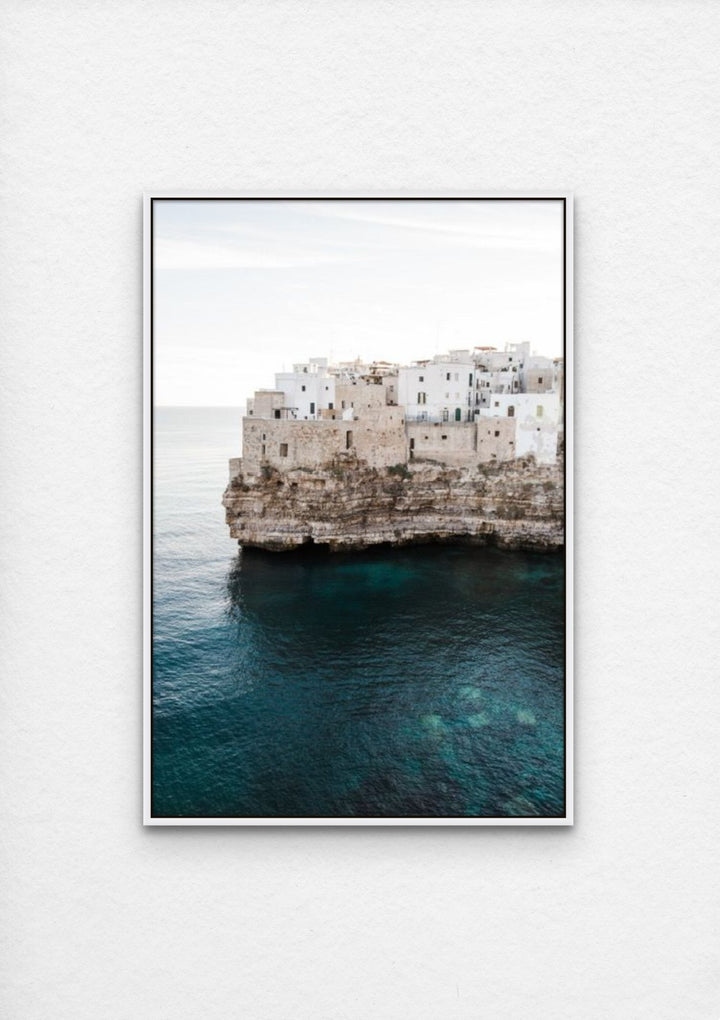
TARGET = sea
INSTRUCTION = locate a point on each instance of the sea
(424, 682)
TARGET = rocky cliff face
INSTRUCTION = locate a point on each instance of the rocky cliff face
(346, 505)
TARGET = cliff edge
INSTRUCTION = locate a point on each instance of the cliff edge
(347, 505)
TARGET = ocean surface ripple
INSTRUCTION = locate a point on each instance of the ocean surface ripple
(425, 681)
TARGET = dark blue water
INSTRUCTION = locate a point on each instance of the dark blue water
(414, 682)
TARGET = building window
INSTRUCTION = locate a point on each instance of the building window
(447, 376)
(458, 414)
(264, 437)
(422, 398)
(348, 440)
(262, 452)
(312, 407)
(342, 404)
(302, 388)
(539, 380)
(539, 411)
(470, 379)
(283, 449)
(277, 414)
(497, 434)
(511, 412)
(421, 378)
(331, 406)
(443, 437)
(497, 403)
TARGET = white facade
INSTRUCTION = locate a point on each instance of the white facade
(439, 390)
(543, 407)
(308, 389)
(538, 439)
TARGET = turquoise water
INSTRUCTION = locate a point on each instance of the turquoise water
(426, 681)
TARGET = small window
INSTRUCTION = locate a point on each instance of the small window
(302, 388)
(458, 414)
(511, 412)
(421, 378)
(470, 379)
(539, 380)
(422, 398)
(331, 406)
(277, 414)
(348, 440)
(312, 407)
(447, 376)
(497, 434)
(283, 449)
(342, 404)
(327, 388)
(262, 451)
(497, 403)
(443, 437)
(539, 411)
(264, 437)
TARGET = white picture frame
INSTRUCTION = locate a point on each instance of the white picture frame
(149, 819)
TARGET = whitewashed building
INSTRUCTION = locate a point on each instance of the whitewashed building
(460, 408)
(440, 390)
(309, 389)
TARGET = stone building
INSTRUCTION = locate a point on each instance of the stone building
(462, 408)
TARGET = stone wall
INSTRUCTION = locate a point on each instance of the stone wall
(496, 439)
(360, 396)
(377, 437)
(265, 403)
(449, 443)
(288, 444)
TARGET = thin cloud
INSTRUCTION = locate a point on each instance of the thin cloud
(172, 253)
(472, 235)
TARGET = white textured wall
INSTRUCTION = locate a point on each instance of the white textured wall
(616, 918)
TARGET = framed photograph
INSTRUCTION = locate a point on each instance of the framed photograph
(358, 496)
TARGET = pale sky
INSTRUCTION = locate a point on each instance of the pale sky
(244, 288)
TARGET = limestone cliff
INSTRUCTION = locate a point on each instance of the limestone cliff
(347, 505)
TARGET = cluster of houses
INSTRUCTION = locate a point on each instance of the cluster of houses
(461, 408)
